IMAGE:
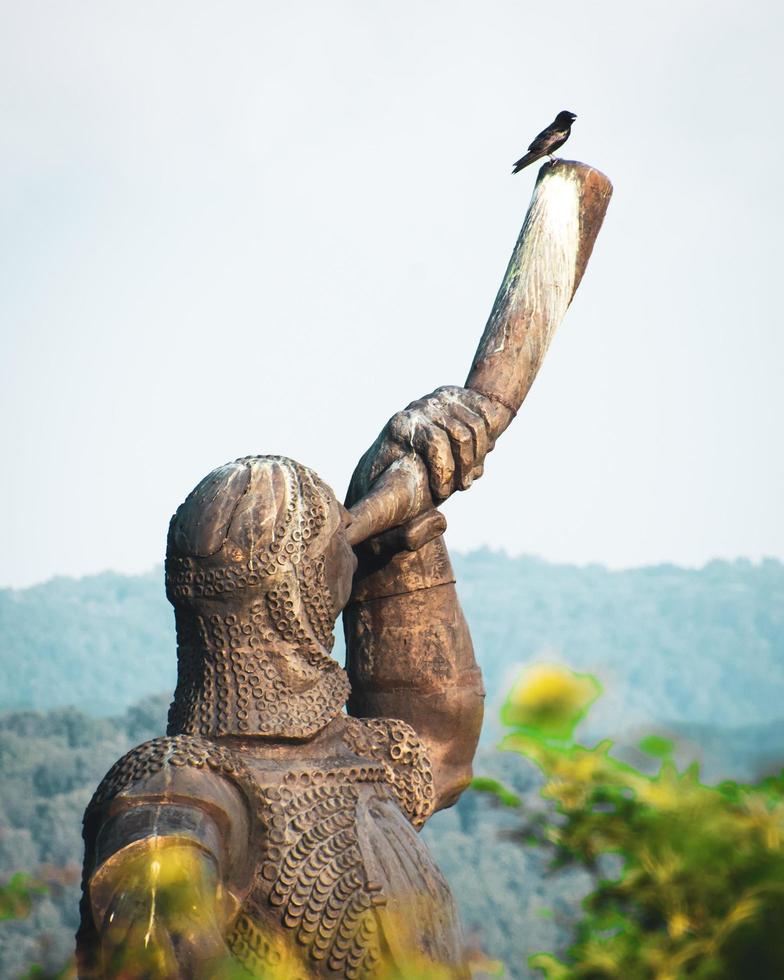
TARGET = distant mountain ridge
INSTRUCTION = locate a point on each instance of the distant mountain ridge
(98, 644)
(670, 644)
(693, 654)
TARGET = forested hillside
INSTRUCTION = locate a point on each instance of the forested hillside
(50, 763)
(98, 643)
(695, 653)
(670, 644)
(511, 903)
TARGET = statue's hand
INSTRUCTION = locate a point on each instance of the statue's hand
(450, 430)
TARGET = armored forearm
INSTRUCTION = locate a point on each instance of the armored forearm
(163, 917)
(166, 835)
(156, 902)
(410, 656)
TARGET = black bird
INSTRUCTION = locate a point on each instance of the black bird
(549, 140)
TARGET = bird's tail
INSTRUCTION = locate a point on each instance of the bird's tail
(524, 161)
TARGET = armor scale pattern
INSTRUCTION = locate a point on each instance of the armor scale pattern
(311, 874)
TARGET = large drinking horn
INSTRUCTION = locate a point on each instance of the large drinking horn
(549, 259)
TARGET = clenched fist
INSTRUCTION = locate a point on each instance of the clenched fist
(451, 431)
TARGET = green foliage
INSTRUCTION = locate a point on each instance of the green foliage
(16, 896)
(504, 796)
(36, 972)
(50, 763)
(16, 902)
(698, 890)
(655, 745)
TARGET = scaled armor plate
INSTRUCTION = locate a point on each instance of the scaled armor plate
(342, 883)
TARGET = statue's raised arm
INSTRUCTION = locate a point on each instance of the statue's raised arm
(409, 653)
(546, 267)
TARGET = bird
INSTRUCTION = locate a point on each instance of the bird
(549, 140)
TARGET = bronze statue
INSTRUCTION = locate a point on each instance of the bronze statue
(270, 834)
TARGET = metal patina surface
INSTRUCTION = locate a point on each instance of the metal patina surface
(270, 832)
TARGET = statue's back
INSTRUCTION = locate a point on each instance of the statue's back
(326, 874)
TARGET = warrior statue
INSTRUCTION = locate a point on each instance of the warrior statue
(273, 831)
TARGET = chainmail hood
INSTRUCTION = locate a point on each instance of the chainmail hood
(245, 572)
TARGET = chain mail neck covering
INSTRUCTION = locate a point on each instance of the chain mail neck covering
(245, 574)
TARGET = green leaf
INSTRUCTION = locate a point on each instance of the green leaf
(492, 786)
(655, 745)
(16, 896)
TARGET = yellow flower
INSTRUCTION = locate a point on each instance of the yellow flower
(678, 924)
(550, 698)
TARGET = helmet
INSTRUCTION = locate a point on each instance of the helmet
(245, 572)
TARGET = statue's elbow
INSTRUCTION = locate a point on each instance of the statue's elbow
(451, 784)
(453, 756)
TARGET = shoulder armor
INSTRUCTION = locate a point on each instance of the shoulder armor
(398, 748)
(177, 751)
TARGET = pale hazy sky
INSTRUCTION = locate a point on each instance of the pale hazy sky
(232, 228)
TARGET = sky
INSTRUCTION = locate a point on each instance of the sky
(234, 228)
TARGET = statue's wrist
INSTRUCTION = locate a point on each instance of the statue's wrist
(407, 571)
